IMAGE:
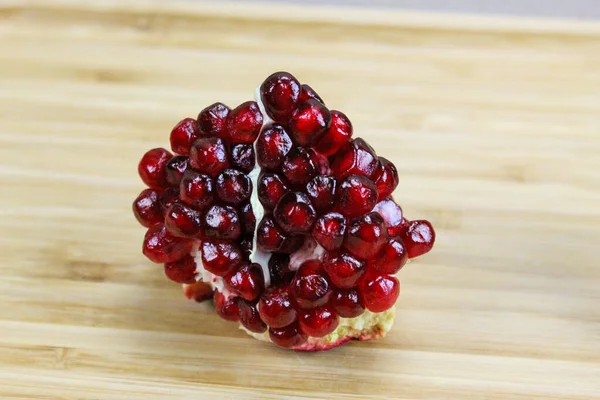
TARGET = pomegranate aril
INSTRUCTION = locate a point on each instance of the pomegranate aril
(233, 187)
(242, 157)
(198, 291)
(343, 270)
(146, 208)
(182, 271)
(288, 336)
(311, 287)
(309, 93)
(212, 121)
(270, 189)
(247, 218)
(357, 195)
(209, 156)
(197, 190)
(295, 213)
(379, 292)
(222, 222)
(347, 303)
(392, 215)
(390, 259)
(308, 122)
(321, 190)
(275, 307)
(220, 256)
(183, 221)
(246, 245)
(183, 135)
(249, 317)
(271, 238)
(226, 308)
(336, 136)
(246, 281)
(152, 168)
(299, 167)
(366, 236)
(329, 230)
(175, 169)
(385, 178)
(272, 146)
(162, 247)
(355, 157)
(279, 268)
(318, 322)
(419, 238)
(279, 94)
(244, 122)
(167, 198)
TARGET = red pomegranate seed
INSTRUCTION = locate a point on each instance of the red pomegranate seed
(295, 213)
(220, 256)
(209, 156)
(271, 238)
(366, 236)
(247, 281)
(310, 287)
(309, 121)
(279, 268)
(242, 157)
(385, 178)
(249, 317)
(379, 293)
(162, 247)
(226, 309)
(275, 307)
(347, 303)
(175, 168)
(357, 195)
(167, 198)
(246, 245)
(197, 190)
(279, 94)
(321, 190)
(288, 337)
(152, 168)
(198, 291)
(308, 93)
(419, 238)
(392, 215)
(270, 189)
(244, 123)
(336, 136)
(390, 259)
(182, 271)
(212, 121)
(233, 187)
(329, 230)
(222, 222)
(272, 146)
(319, 321)
(247, 218)
(146, 208)
(355, 157)
(183, 221)
(183, 135)
(344, 270)
(299, 167)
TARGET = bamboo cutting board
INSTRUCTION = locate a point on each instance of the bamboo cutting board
(493, 124)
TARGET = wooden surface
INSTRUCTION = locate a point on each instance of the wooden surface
(494, 126)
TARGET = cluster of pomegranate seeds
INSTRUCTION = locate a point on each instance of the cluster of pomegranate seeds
(315, 184)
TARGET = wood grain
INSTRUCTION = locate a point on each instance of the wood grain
(493, 124)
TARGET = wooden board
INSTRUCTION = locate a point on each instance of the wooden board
(493, 124)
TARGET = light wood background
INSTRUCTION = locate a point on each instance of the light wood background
(493, 124)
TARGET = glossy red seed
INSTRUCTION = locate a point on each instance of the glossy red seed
(242, 157)
(212, 121)
(175, 169)
(329, 230)
(226, 308)
(279, 94)
(419, 238)
(379, 293)
(319, 321)
(288, 336)
(162, 247)
(385, 178)
(233, 187)
(222, 222)
(321, 190)
(392, 215)
(152, 168)
(311, 287)
(390, 259)
(308, 93)
(220, 256)
(275, 307)
(182, 271)
(198, 291)
(338, 134)
(183, 135)
(308, 122)
(366, 236)
(295, 213)
(249, 317)
(247, 218)
(355, 157)
(271, 238)
(347, 303)
(167, 198)
(246, 281)
(299, 167)
(197, 190)
(244, 123)
(357, 195)
(279, 268)
(183, 221)
(343, 270)
(270, 189)
(272, 146)
(146, 208)
(209, 156)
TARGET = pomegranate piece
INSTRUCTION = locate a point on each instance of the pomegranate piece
(288, 336)
(220, 256)
(419, 238)
(182, 271)
(233, 187)
(336, 136)
(392, 215)
(270, 189)
(249, 317)
(311, 287)
(183, 135)
(321, 190)
(162, 247)
(247, 281)
(355, 157)
(222, 222)
(275, 307)
(183, 221)
(379, 293)
(242, 157)
(295, 213)
(146, 208)
(357, 195)
(347, 303)
(175, 168)
(167, 198)
(279, 94)
(244, 123)
(385, 178)
(279, 268)
(152, 168)
(212, 121)
(197, 190)
(299, 167)
(391, 258)
(247, 218)
(308, 93)
(319, 321)
(329, 230)
(272, 146)
(198, 291)
(366, 236)
(271, 238)
(209, 156)
(343, 270)
(309, 121)
(226, 309)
